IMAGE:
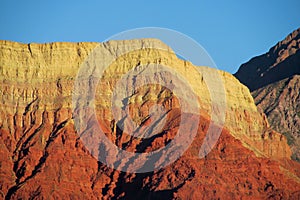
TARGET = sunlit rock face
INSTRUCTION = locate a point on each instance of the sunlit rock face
(43, 155)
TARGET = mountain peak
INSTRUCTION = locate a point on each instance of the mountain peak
(280, 62)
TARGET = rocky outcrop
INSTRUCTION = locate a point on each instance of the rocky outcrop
(44, 157)
(274, 81)
(280, 103)
(282, 61)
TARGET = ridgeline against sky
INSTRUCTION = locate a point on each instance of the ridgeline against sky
(231, 32)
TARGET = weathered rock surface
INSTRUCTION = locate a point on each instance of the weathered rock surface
(274, 81)
(42, 156)
(282, 61)
(280, 102)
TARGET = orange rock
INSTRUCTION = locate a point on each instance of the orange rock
(43, 156)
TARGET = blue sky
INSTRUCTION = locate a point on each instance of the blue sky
(231, 31)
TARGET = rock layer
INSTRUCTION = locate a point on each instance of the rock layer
(44, 157)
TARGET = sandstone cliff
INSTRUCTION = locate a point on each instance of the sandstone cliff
(42, 156)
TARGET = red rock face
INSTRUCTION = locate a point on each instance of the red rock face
(65, 169)
(42, 155)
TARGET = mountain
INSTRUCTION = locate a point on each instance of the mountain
(274, 80)
(44, 154)
(282, 61)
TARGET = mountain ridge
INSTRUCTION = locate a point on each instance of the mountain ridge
(44, 157)
(271, 66)
(276, 87)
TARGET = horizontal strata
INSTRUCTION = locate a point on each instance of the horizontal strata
(46, 72)
(41, 155)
